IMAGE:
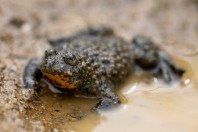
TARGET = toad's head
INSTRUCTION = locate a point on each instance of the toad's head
(61, 69)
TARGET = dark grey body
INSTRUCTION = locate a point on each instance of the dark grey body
(99, 62)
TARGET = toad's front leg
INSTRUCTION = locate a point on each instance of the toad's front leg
(149, 57)
(32, 74)
(108, 97)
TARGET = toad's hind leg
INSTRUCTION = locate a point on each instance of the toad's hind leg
(32, 74)
(98, 30)
(149, 57)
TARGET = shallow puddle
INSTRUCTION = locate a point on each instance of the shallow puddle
(148, 106)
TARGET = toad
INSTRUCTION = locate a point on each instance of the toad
(94, 62)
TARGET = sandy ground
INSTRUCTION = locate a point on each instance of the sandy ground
(26, 25)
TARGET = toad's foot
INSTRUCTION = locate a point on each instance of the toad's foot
(150, 58)
(107, 103)
(167, 69)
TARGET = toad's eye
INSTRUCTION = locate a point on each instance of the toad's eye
(71, 60)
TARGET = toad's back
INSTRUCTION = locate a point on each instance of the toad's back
(108, 57)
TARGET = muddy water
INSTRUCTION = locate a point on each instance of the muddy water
(148, 105)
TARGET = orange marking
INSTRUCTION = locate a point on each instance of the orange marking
(60, 79)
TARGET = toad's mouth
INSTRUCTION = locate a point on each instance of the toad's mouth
(60, 81)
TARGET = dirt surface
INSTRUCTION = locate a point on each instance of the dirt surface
(26, 25)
